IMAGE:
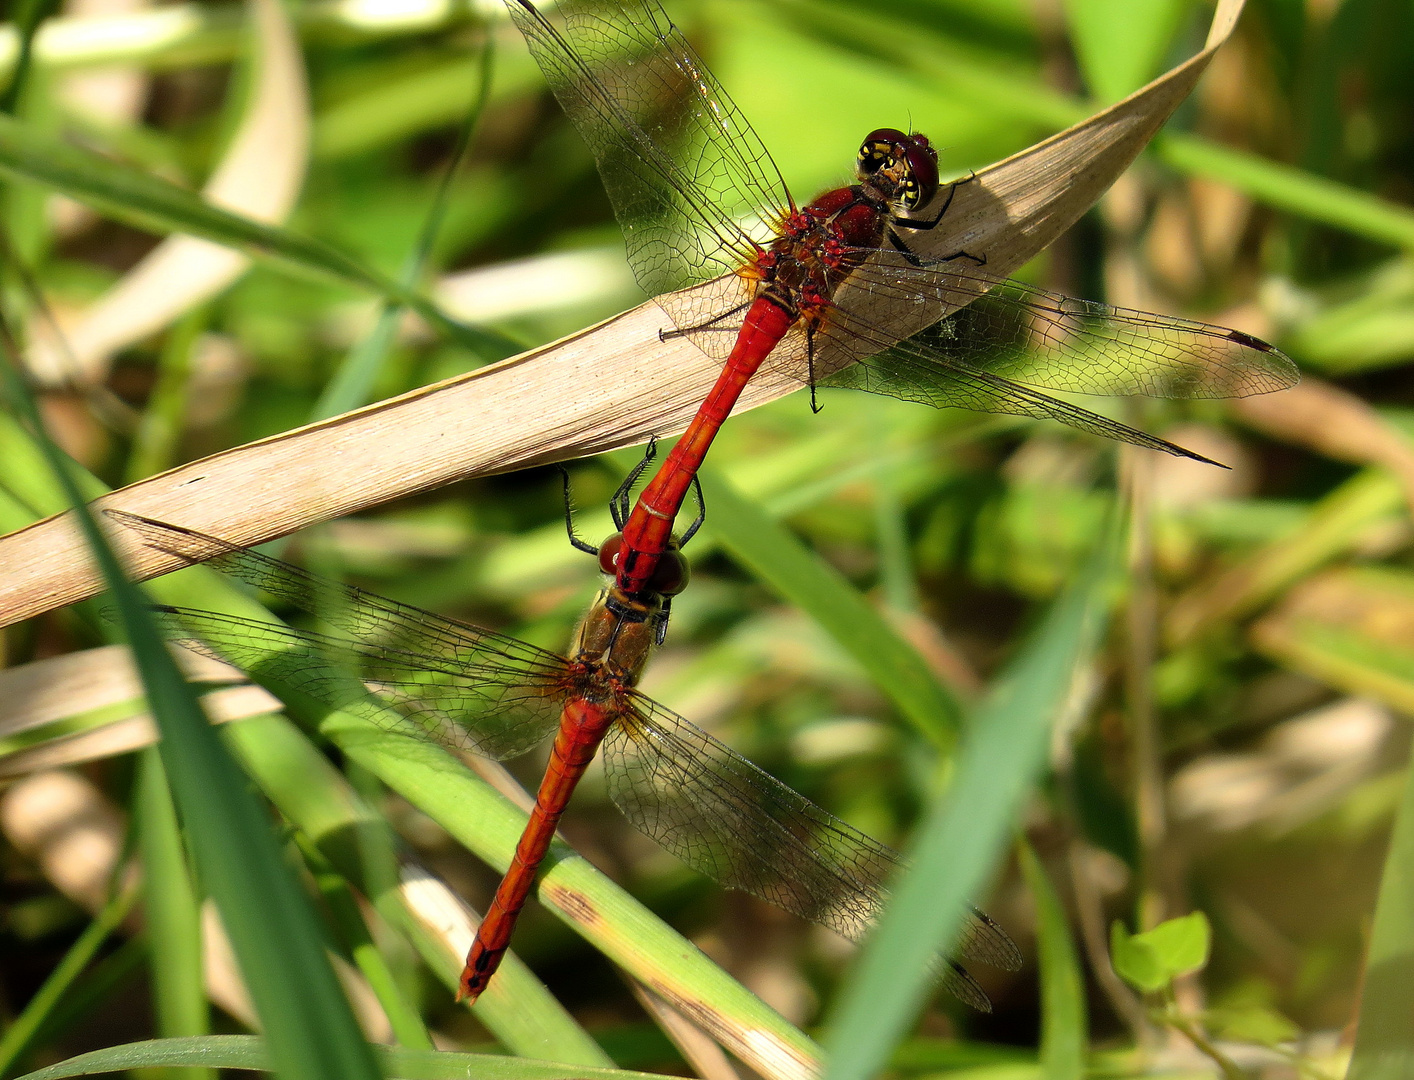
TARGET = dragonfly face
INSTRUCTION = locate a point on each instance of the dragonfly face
(901, 168)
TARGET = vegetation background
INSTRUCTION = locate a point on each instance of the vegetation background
(1236, 745)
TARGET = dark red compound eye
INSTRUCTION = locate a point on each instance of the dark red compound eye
(609, 552)
(670, 576)
(877, 149)
(922, 162)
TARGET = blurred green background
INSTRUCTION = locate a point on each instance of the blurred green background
(1238, 746)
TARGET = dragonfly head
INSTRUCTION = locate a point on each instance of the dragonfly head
(905, 166)
(669, 576)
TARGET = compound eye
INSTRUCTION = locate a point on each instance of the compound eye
(878, 149)
(922, 182)
(609, 552)
(671, 575)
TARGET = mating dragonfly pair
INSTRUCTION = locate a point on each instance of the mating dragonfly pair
(832, 293)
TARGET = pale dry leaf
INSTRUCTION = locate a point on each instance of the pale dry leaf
(46, 691)
(132, 733)
(612, 385)
(260, 176)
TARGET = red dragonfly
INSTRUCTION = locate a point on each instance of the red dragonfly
(832, 294)
(469, 688)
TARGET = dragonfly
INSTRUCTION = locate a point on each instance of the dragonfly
(832, 293)
(469, 688)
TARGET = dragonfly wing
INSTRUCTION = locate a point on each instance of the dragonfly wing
(362, 616)
(734, 823)
(484, 712)
(687, 175)
(1024, 334)
(469, 687)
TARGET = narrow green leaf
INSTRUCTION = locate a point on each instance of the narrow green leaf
(22, 1033)
(249, 1052)
(1286, 187)
(965, 832)
(773, 554)
(522, 1015)
(272, 927)
(173, 912)
(1384, 1041)
(353, 381)
(150, 202)
(1063, 1020)
(527, 1020)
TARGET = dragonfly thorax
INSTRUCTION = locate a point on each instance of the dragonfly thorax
(618, 633)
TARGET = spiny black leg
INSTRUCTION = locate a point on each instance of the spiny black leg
(618, 504)
(916, 223)
(578, 544)
(810, 366)
(709, 325)
(919, 261)
(660, 631)
(701, 513)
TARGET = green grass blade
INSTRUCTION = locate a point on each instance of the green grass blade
(272, 927)
(27, 16)
(173, 912)
(249, 1052)
(23, 1032)
(299, 780)
(356, 940)
(150, 202)
(1384, 1041)
(353, 381)
(773, 554)
(1294, 190)
(521, 1013)
(1064, 1032)
(966, 830)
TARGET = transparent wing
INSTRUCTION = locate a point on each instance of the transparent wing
(949, 314)
(948, 335)
(405, 668)
(689, 179)
(740, 826)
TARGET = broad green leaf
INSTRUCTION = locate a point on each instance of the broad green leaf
(1182, 944)
(966, 830)
(1153, 959)
(1135, 960)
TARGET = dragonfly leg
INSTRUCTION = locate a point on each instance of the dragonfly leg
(618, 503)
(575, 541)
(815, 405)
(691, 530)
(925, 223)
(711, 325)
(921, 261)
